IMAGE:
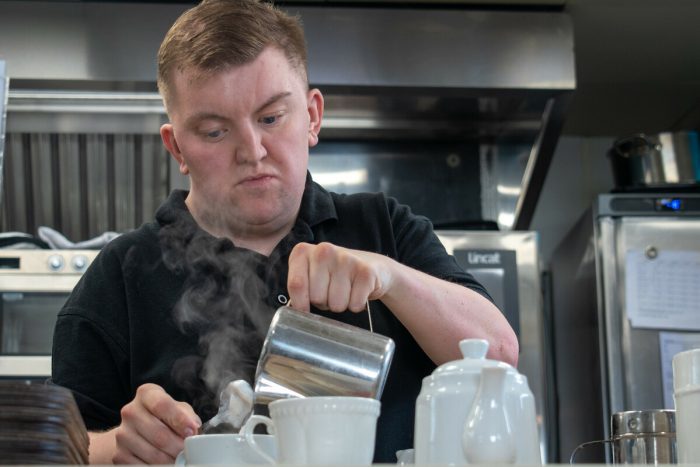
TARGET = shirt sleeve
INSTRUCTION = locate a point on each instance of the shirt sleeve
(419, 247)
(90, 351)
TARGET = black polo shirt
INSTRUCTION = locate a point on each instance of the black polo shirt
(172, 305)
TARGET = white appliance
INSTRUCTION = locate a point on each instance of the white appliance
(34, 285)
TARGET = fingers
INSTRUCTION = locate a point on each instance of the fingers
(298, 277)
(332, 278)
(321, 259)
(132, 448)
(363, 286)
(153, 427)
(178, 416)
(337, 294)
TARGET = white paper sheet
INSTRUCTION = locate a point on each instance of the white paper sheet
(663, 292)
(671, 343)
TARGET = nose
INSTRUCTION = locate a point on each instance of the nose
(250, 148)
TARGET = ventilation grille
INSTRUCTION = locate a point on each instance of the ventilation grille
(82, 184)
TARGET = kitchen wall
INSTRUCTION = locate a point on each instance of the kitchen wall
(637, 66)
(578, 173)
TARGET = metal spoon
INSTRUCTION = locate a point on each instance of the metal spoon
(235, 407)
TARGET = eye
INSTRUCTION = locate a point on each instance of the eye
(272, 120)
(213, 135)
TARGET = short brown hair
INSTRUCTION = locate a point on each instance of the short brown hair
(217, 34)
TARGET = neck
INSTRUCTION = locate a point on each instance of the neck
(261, 239)
(262, 246)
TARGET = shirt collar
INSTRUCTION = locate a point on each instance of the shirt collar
(316, 204)
(174, 209)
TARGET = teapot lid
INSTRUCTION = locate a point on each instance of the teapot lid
(474, 359)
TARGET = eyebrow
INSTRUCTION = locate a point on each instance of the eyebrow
(214, 116)
(277, 97)
(198, 117)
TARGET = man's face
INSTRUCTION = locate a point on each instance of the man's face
(243, 136)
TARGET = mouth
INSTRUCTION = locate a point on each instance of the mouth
(256, 180)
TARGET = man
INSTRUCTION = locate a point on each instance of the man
(135, 341)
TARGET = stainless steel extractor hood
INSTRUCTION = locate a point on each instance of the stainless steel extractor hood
(3, 106)
(481, 91)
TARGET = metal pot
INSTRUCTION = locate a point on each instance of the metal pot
(644, 437)
(664, 159)
(639, 437)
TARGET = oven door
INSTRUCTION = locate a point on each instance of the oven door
(28, 313)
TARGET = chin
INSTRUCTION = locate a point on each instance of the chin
(258, 219)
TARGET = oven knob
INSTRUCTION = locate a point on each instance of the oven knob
(55, 262)
(79, 263)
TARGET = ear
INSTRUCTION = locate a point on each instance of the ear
(315, 107)
(167, 134)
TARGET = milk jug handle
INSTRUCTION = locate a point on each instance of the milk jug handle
(572, 459)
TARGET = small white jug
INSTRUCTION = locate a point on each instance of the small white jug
(488, 437)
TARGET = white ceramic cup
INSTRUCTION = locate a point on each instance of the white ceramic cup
(319, 430)
(406, 457)
(686, 395)
(225, 449)
(686, 370)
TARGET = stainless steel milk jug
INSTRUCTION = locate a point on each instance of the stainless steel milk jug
(308, 355)
(644, 437)
(640, 437)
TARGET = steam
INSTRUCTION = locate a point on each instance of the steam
(223, 303)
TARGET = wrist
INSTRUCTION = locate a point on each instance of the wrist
(103, 446)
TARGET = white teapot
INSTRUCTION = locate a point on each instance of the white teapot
(447, 421)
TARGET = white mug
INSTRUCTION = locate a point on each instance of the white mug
(686, 395)
(406, 457)
(224, 449)
(319, 430)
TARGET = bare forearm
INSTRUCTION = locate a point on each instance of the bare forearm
(439, 314)
(102, 447)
